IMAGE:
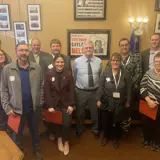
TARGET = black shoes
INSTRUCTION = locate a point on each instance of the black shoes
(146, 144)
(104, 142)
(115, 144)
(96, 135)
(155, 147)
(38, 155)
(79, 134)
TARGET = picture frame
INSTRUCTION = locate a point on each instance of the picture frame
(157, 24)
(100, 38)
(20, 32)
(4, 18)
(157, 5)
(34, 17)
(89, 10)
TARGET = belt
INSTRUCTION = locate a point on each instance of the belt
(87, 90)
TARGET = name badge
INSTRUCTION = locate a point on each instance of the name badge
(53, 79)
(108, 79)
(12, 78)
(116, 95)
(50, 66)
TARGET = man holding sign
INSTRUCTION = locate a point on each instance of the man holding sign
(21, 93)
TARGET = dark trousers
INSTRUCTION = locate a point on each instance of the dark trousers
(64, 129)
(3, 120)
(84, 99)
(111, 130)
(33, 128)
(151, 129)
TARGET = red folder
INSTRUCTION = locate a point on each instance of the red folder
(53, 117)
(14, 122)
(146, 110)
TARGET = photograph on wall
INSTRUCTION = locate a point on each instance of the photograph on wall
(157, 5)
(20, 32)
(89, 9)
(157, 25)
(4, 18)
(34, 17)
(100, 38)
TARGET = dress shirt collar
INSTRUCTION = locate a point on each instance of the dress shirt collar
(154, 52)
(86, 59)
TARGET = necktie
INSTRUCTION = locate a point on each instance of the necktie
(90, 75)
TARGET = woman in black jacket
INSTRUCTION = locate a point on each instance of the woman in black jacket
(113, 95)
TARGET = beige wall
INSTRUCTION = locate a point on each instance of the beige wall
(57, 16)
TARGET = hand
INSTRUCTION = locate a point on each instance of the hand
(127, 105)
(151, 103)
(99, 104)
(52, 110)
(70, 110)
(11, 113)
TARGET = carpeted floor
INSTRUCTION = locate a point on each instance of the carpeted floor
(87, 148)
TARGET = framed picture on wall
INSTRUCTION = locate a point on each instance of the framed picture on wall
(100, 38)
(157, 5)
(4, 18)
(89, 9)
(157, 25)
(34, 18)
(20, 32)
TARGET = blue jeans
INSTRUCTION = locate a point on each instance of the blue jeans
(33, 128)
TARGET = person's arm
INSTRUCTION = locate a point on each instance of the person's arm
(41, 88)
(5, 91)
(75, 70)
(128, 82)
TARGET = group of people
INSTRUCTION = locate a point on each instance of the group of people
(42, 80)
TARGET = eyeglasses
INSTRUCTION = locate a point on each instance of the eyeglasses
(23, 50)
(1, 55)
(124, 45)
(115, 61)
(157, 62)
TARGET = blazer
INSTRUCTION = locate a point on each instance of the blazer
(53, 94)
(44, 60)
(107, 86)
(145, 60)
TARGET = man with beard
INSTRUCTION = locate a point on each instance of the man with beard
(21, 93)
(147, 55)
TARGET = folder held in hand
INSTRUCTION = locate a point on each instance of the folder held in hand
(53, 117)
(146, 110)
(14, 122)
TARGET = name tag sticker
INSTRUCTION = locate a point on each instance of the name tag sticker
(12, 78)
(116, 95)
(108, 79)
(50, 66)
(53, 79)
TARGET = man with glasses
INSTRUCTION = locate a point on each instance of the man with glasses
(87, 71)
(21, 94)
(147, 55)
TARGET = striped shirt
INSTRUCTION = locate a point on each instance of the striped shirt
(150, 85)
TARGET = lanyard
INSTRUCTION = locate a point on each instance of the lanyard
(117, 83)
(126, 62)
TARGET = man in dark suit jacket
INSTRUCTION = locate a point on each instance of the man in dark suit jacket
(147, 55)
(56, 46)
(40, 57)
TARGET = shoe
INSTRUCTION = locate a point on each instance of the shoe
(52, 137)
(60, 145)
(38, 155)
(104, 142)
(66, 149)
(115, 144)
(145, 144)
(155, 147)
(79, 134)
(96, 135)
